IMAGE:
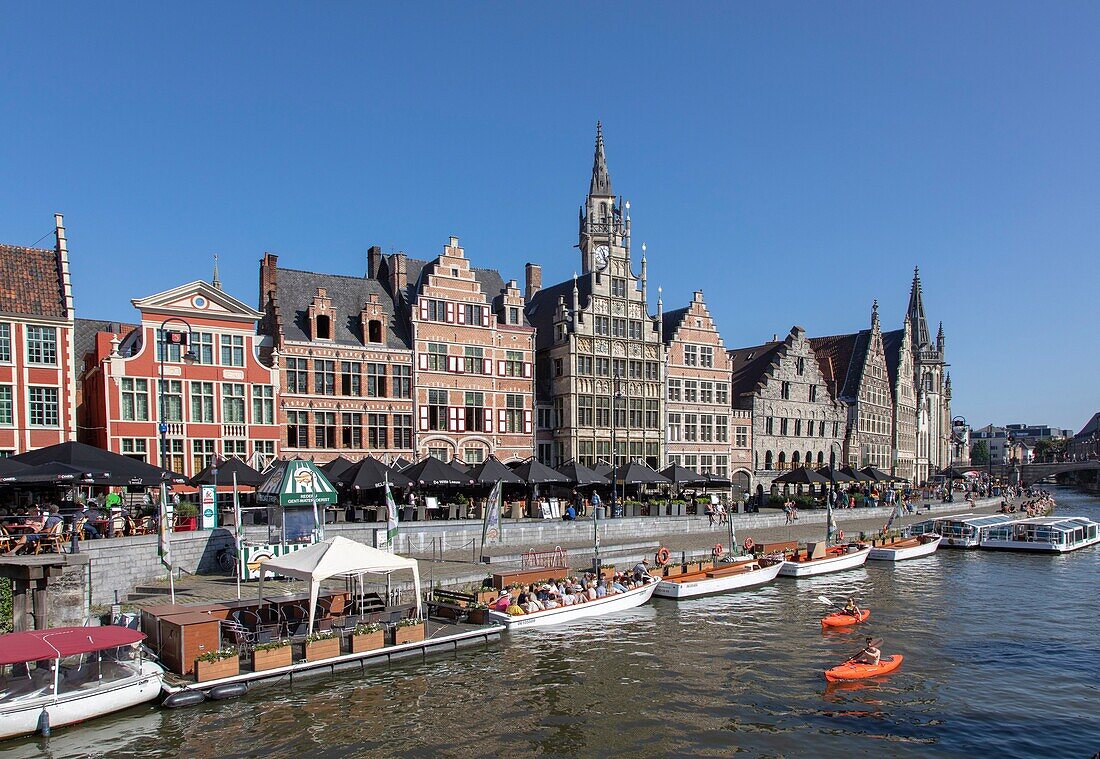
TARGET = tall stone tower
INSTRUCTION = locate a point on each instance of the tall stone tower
(933, 402)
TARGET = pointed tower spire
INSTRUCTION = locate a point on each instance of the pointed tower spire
(939, 339)
(601, 180)
(874, 313)
(216, 282)
(921, 336)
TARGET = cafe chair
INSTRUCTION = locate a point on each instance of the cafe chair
(241, 636)
(52, 541)
(5, 540)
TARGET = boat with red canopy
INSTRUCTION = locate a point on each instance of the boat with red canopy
(65, 675)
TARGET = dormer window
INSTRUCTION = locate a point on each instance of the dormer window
(321, 315)
(513, 315)
(323, 325)
(374, 331)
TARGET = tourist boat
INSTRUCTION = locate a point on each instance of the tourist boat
(906, 548)
(599, 607)
(740, 574)
(810, 563)
(70, 674)
(1043, 535)
(962, 530)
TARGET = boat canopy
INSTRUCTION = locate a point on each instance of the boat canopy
(59, 642)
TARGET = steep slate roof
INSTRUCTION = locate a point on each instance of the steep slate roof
(670, 322)
(750, 365)
(1090, 426)
(540, 309)
(30, 282)
(85, 331)
(842, 358)
(297, 289)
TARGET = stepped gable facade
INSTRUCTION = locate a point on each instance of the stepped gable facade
(600, 354)
(796, 420)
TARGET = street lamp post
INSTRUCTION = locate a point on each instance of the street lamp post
(188, 357)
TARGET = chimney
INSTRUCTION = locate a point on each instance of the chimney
(534, 280)
(399, 273)
(374, 261)
(62, 250)
(269, 270)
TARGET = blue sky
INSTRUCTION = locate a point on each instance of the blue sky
(793, 160)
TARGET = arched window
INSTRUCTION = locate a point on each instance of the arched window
(821, 458)
(782, 460)
(809, 458)
(374, 331)
(323, 323)
(768, 460)
(796, 457)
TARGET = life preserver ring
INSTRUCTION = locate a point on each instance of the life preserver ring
(840, 536)
(748, 544)
(718, 550)
(663, 556)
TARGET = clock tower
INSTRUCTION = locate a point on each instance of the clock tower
(604, 232)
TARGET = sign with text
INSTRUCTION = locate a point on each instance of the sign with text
(208, 507)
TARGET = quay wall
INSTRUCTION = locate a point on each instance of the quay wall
(118, 565)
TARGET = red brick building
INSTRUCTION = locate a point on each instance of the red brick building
(37, 377)
(219, 401)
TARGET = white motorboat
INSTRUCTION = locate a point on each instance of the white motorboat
(721, 579)
(64, 675)
(1043, 535)
(962, 530)
(601, 606)
(906, 548)
(832, 559)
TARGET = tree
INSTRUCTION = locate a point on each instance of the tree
(979, 453)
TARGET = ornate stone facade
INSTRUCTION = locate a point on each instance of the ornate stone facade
(933, 388)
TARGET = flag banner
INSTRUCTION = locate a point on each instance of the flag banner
(491, 527)
(391, 518)
(893, 515)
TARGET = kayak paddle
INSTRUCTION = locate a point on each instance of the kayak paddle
(875, 642)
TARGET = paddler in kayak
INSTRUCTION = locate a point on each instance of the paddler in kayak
(869, 655)
(851, 609)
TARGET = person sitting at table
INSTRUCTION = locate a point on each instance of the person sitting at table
(504, 601)
(42, 527)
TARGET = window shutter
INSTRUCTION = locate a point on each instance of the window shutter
(452, 418)
(423, 360)
(423, 417)
(488, 420)
(484, 316)
(460, 364)
(487, 366)
(500, 368)
(424, 310)
(450, 312)
(527, 421)
(461, 315)
(460, 418)
(502, 419)
(526, 368)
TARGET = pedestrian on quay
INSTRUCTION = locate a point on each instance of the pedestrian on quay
(710, 513)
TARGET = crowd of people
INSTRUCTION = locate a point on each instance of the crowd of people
(1039, 503)
(569, 591)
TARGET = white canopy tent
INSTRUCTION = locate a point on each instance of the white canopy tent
(337, 557)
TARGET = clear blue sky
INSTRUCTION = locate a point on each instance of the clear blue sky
(793, 160)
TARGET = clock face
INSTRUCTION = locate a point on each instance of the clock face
(601, 257)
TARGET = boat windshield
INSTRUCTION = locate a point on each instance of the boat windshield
(31, 680)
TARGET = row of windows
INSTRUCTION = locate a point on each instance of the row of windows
(470, 314)
(704, 463)
(41, 344)
(470, 413)
(698, 391)
(875, 424)
(471, 454)
(229, 349)
(606, 326)
(699, 355)
(602, 366)
(591, 452)
(472, 361)
(331, 429)
(351, 378)
(798, 427)
(630, 413)
(702, 428)
(202, 451)
(785, 392)
(797, 459)
(43, 406)
(136, 404)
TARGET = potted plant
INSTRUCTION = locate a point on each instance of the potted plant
(479, 614)
(214, 665)
(367, 637)
(322, 645)
(409, 630)
(271, 655)
(186, 517)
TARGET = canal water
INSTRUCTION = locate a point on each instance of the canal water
(1001, 659)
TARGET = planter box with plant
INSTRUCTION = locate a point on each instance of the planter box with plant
(367, 638)
(214, 665)
(272, 655)
(478, 614)
(324, 645)
(408, 631)
(186, 515)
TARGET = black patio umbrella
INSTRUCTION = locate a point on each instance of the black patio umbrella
(834, 475)
(637, 473)
(246, 475)
(952, 473)
(801, 476)
(877, 474)
(603, 469)
(461, 466)
(9, 467)
(855, 474)
(535, 473)
(680, 475)
(431, 472)
(714, 481)
(336, 467)
(490, 472)
(122, 470)
(55, 472)
(580, 475)
(401, 464)
(370, 473)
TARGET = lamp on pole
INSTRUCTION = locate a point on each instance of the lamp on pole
(182, 341)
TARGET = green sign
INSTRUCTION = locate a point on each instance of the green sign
(301, 483)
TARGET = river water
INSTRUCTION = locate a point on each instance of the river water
(1001, 659)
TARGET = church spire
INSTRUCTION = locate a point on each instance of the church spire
(216, 282)
(601, 180)
(921, 337)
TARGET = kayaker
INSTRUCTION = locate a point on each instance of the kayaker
(851, 609)
(869, 655)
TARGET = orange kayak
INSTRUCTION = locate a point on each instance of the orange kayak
(840, 619)
(856, 671)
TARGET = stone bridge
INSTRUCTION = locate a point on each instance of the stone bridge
(1029, 474)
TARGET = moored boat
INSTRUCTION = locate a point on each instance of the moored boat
(810, 563)
(962, 530)
(562, 614)
(721, 579)
(65, 675)
(1043, 535)
(906, 548)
